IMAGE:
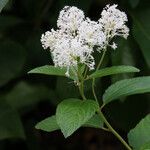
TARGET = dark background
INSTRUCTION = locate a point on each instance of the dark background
(27, 99)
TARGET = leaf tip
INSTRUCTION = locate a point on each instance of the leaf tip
(137, 70)
(66, 134)
(37, 126)
(31, 71)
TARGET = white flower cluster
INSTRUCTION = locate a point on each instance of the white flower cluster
(74, 40)
(113, 22)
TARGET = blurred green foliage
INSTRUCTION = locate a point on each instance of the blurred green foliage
(26, 99)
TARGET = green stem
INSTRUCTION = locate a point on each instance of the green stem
(113, 131)
(81, 90)
(110, 128)
(93, 81)
(81, 84)
(93, 90)
(101, 60)
(85, 73)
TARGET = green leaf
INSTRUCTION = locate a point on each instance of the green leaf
(71, 114)
(95, 122)
(2, 4)
(49, 70)
(127, 87)
(113, 70)
(141, 31)
(145, 146)
(50, 124)
(140, 135)
(12, 60)
(10, 126)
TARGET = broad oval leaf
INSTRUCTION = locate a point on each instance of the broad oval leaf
(2, 4)
(71, 114)
(127, 87)
(113, 70)
(50, 124)
(94, 122)
(145, 146)
(140, 135)
(51, 70)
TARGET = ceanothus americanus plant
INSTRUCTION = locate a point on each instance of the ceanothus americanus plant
(72, 46)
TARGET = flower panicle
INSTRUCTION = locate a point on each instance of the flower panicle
(77, 36)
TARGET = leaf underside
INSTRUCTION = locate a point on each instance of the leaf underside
(127, 87)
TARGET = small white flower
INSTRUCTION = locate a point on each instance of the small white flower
(67, 73)
(113, 46)
(68, 52)
(70, 18)
(50, 38)
(113, 22)
(91, 33)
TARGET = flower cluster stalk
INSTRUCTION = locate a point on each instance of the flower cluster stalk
(81, 89)
(110, 128)
(80, 83)
(113, 131)
(93, 80)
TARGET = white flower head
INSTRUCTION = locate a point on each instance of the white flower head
(70, 18)
(68, 52)
(50, 38)
(83, 53)
(91, 33)
(113, 21)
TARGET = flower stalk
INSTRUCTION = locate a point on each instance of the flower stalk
(93, 80)
(81, 89)
(113, 131)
